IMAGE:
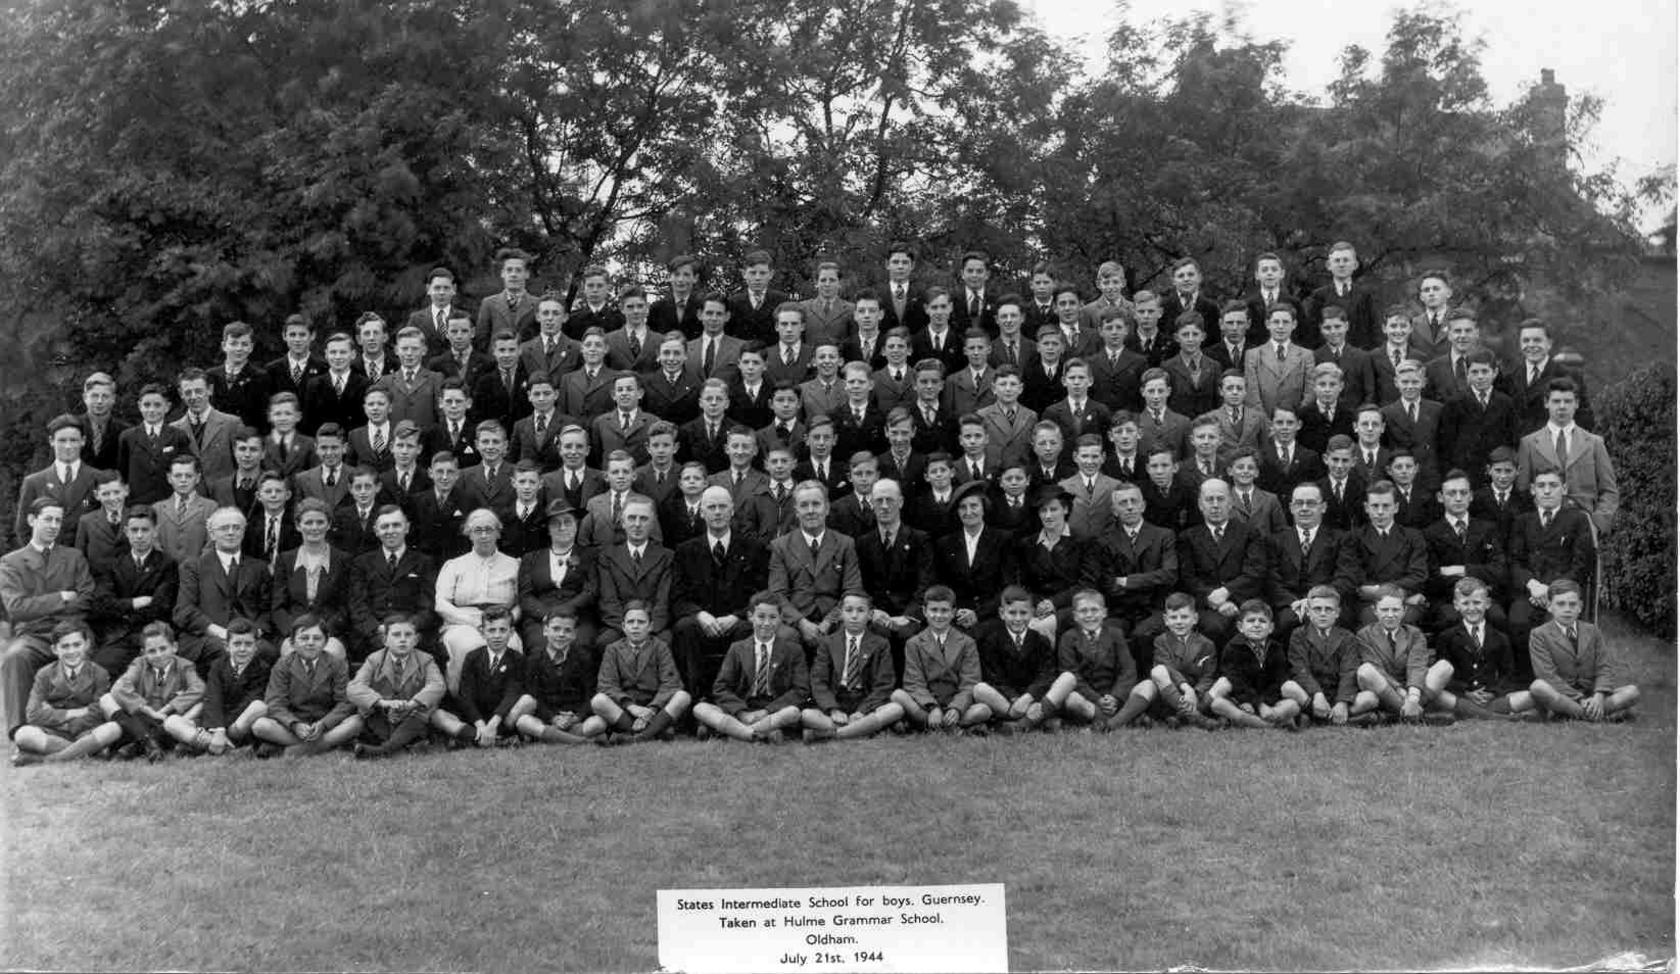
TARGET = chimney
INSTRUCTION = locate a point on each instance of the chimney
(1550, 101)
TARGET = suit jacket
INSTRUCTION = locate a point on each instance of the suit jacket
(299, 694)
(210, 595)
(145, 464)
(725, 361)
(851, 516)
(676, 402)
(1563, 549)
(963, 318)
(1382, 366)
(118, 584)
(1487, 667)
(477, 488)
(1220, 351)
(1249, 430)
(214, 446)
(1482, 553)
(789, 682)
(1576, 671)
(1589, 479)
(324, 404)
(1093, 510)
(1317, 429)
(1025, 355)
(1101, 666)
(750, 409)
(431, 328)
(598, 528)
(376, 590)
(938, 675)
(794, 368)
(1420, 437)
(963, 395)
(497, 313)
(1257, 305)
(554, 486)
(911, 473)
(1280, 478)
(289, 593)
(540, 595)
(854, 434)
(1372, 470)
(646, 676)
(622, 357)
(929, 436)
(1401, 558)
(1294, 572)
(815, 400)
(312, 483)
(360, 452)
(1155, 350)
(824, 324)
(1256, 673)
(1359, 374)
(227, 694)
(622, 579)
(890, 392)
(300, 455)
(1052, 574)
(609, 318)
(1013, 671)
(1171, 430)
(280, 374)
(695, 442)
(896, 577)
(1326, 663)
(490, 688)
(176, 688)
(255, 543)
(977, 583)
(837, 479)
(1440, 380)
(756, 324)
(911, 313)
(700, 585)
(1193, 394)
(104, 457)
(1348, 511)
(493, 399)
(525, 444)
(565, 356)
(873, 685)
(1092, 417)
(562, 685)
(1116, 382)
(419, 681)
(437, 526)
(607, 436)
(1430, 339)
(852, 348)
(1469, 433)
(1406, 659)
(1010, 438)
(1148, 566)
(811, 586)
(665, 315)
(581, 395)
(949, 350)
(1360, 303)
(1236, 563)
(1274, 382)
(183, 535)
(646, 483)
(244, 396)
(1261, 511)
(415, 400)
(450, 366)
(77, 497)
(100, 541)
(1530, 397)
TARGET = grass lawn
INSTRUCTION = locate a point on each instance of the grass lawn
(1467, 846)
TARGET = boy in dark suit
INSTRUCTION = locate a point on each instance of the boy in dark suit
(638, 690)
(762, 684)
(1548, 542)
(1323, 661)
(62, 721)
(1017, 664)
(1097, 671)
(1395, 673)
(559, 680)
(1475, 423)
(1483, 674)
(151, 701)
(499, 392)
(145, 450)
(1183, 667)
(233, 692)
(1252, 672)
(492, 681)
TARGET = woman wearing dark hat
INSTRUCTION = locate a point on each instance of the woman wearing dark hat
(559, 576)
(975, 561)
(1049, 561)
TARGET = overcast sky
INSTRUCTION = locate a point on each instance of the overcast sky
(1624, 51)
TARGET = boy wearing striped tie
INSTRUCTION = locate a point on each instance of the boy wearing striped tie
(762, 683)
(851, 679)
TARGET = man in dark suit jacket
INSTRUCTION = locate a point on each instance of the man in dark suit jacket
(67, 479)
(1302, 557)
(902, 302)
(1548, 542)
(137, 587)
(714, 577)
(99, 425)
(395, 577)
(217, 586)
(1474, 424)
(894, 574)
(635, 568)
(1461, 546)
(1135, 566)
(1382, 552)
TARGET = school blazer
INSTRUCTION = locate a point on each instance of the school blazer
(417, 400)
(1469, 433)
(1281, 479)
(725, 361)
(54, 694)
(451, 366)
(208, 594)
(523, 534)
(311, 483)
(437, 526)
(1420, 437)
(942, 677)
(359, 451)
(99, 541)
(105, 458)
(675, 401)
(289, 593)
(376, 590)
(1100, 665)
(875, 677)
(581, 395)
(117, 584)
(380, 679)
(1012, 672)
(810, 587)
(1407, 659)
(564, 356)
(1195, 659)
(300, 455)
(525, 444)
(1091, 417)
(178, 688)
(1010, 438)
(758, 323)
(1093, 510)
(226, 695)
(1274, 382)
(1576, 672)
(1116, 381)
(77, 496)
(648, 677)
(1318, 428)
(664, 315)
(590, 483)
(621, 357)
(295, 694)
(1359, 373)
(280, 374)
(1360, 304)
(1482, 554)
(1256, 676)
(214, 448)
(795, 368)
(1589, 479)
(1193, 394)
(497, 313)
(492, 399)
(790, 683)
(490, 689)
(1530, 397)
(963, 395)
(890, 392)
(563, 685)
(695, 442)
(183, 536)
(606, 435)
(621, 580)
(1237, 563)
(1401, 558)
(895, 576)
(699, 585)
(477, 488)
(144, 464)
(1327, 664)
(1489, 667)
(1263, 512)
(1564, 549)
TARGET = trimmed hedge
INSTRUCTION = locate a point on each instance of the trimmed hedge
(1636, 418)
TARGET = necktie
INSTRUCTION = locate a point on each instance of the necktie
(297, 373)
(338, 385)
(623, 421)
(717, 553)
(898, 375)
(572, 483)
(197, 432)
(272, 542)
(1572, 641)
(1394, 353)
(710, 357)
(635, 347)
(1336, 488)
(1411, 411)
(1476, 633)
(507, 380)
(1218, 533)
(1306, 539)
(787, 355)
(541, 426)
(854, 662)
(973, 307)
(1280, 353)
(636, 559)
(617, 507)
(391, 560)
(1545, 520)
(408, 377)
(1243, 502)
(1236, 417)
(1460, 370)
(437, 319)
(1460, 529)
(814, 548)
(379, 441)
(1371, 458)
(1341, 290)
(1286, 456)
(761, 678)
(180, 507)
(1009, 414)
(1533, 374)
(1562, 446)
(329, 478)
(898, 294)
(1482, 400)
(778, 492)
(1393, 646)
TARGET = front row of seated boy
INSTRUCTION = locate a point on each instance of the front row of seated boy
(1006, 677)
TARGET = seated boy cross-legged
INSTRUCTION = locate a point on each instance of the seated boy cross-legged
(1323, 660)
(154, 701)
(762, 683)
(1483, 674)
(63, 721)
(941, 670)
(492, 681)
(234, 691)
(1017, 664)
(396, 690)
(1575, 673)
(559, 680)
(1097, 670)
(1252, 671)
(309, 708)
(1184, 669)
(851, 679)
(638, 692)
(1395, 674)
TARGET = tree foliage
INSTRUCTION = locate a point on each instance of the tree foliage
(1636, 416)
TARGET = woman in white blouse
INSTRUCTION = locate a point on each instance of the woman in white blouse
(467, 584)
